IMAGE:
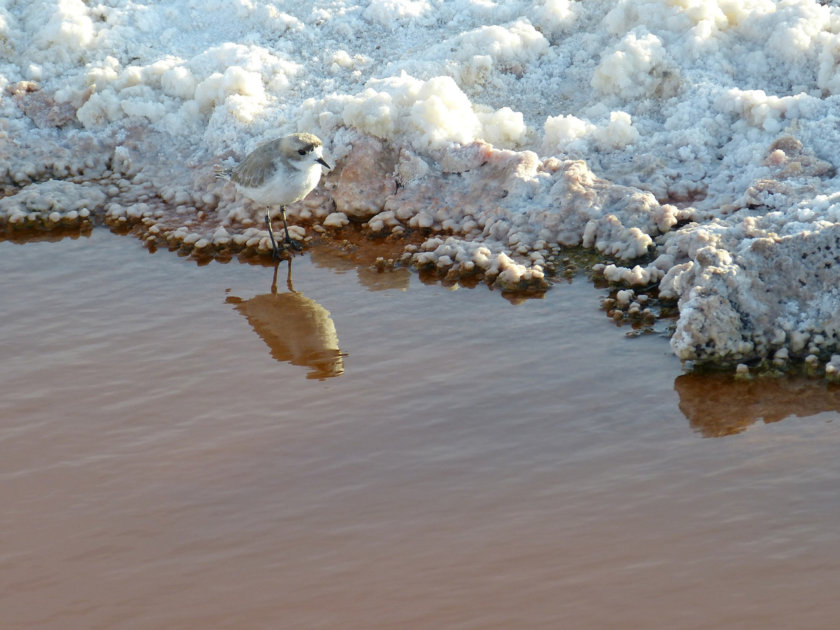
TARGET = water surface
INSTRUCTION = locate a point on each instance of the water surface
(453, 461)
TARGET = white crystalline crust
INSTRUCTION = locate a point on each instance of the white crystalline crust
(697, 135)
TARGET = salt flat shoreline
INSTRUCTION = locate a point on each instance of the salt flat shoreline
(638, 312)
(691, 144)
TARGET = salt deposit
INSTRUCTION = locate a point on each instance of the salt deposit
(690, 142)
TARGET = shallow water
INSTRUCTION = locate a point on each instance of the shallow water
(167, 460)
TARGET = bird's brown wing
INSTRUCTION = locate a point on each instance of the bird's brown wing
(258, 167)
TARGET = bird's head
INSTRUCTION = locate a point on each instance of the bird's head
(304, 150)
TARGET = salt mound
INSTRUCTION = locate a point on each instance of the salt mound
(691, 143)
(51, 204)
(495, 201)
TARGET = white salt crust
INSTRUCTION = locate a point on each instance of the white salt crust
(691, 142)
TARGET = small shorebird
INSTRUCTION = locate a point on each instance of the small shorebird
(277, 173)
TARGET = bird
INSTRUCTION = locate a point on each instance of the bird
(277, 173)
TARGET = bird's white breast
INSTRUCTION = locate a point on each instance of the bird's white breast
(285, 186)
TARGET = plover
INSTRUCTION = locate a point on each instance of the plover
(277, 173)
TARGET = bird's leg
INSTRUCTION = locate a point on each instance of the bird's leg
(289, 277)
(274, 279)
(275, 249)
(289, 240)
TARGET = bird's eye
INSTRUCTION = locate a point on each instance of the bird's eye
(301, 151)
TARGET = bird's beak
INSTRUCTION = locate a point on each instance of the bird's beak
(323, 162)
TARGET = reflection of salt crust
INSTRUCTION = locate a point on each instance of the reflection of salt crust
(698, 135)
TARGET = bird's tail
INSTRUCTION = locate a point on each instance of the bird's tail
(222, 172)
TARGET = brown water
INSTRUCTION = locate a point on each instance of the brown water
(168, 461)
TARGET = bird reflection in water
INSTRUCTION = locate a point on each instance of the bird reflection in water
(295, 328)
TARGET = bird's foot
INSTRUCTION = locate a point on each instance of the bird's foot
(279, 252)
(295, 245)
